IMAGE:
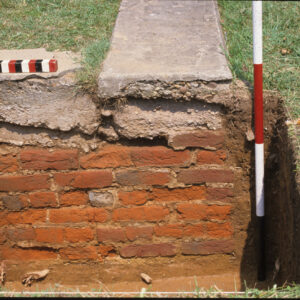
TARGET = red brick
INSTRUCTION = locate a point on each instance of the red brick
(15, 202)
(159, 156)
(49, 235)
(134, 197)
(192, 211)
(43, 199)
(111, 234)
(172, 230)
(218, 212)
(27, 254)
(211, 157)
(203, 212)
(106, 250)
(25, 217)
(134, 233)
(23, 183)
(108, 157)
(177, 195)
(20, 234)
(73, 198)
(195, 230)
(41, 159)
(151, 250)
(200, 138)
(145, 213)
(8, 164)
(202, 176)
(79, 253)
(78, 215)
(136, 177)
(220, 194)
(84, 179)
(207, 247)
(219, 230)
(75, 235)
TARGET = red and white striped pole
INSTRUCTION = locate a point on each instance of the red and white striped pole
(259, 130)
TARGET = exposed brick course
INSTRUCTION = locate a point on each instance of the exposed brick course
(40, 159)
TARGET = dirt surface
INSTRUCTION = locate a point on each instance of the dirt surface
(180, 274)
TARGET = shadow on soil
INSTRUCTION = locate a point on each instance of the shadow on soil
(282, 207)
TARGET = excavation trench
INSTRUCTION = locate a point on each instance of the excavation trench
(155, 184)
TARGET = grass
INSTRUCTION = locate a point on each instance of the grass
(281, 50)
(214, 292)
(74, 25)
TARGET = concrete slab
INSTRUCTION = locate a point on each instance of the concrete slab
(164, 40)
(67, 61)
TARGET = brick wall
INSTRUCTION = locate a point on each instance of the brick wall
(118, 201)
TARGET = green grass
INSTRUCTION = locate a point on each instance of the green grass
(281, 21)
(77, 25)
(275, 292)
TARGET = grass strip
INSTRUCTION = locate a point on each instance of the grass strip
(74, 25)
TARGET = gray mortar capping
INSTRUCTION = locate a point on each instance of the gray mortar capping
(67, 61)
(164, 41)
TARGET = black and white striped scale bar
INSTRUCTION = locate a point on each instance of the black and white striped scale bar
(28, 66)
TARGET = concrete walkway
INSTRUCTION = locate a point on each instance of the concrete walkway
(166, 41)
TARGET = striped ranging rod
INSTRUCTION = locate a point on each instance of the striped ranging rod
(28, 66)
(259, 131)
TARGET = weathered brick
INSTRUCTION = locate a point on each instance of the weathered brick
(2, 236)
(111, 234)
(43, 199)
(201, 176)
(195, 230)
(211, 157)
(49, 235)
(75, 235)
(31, 216)
(15, 202)
(8, 164)
(78, 215)
(23, 183)
(20, 234)
(145, 213)
(219, 230)
(200, 138)
(106, 250)
(218, 212)
(171, 230)
(136, 177)
(134, 197)
(220, 194)
(151, 250)
(177, 195)
(134, 233)
(73, 198)
(84, 179)
(42, 159)
(207, 247)
(108, 157)
(159, 156)
(78, 253)
(27, 254)
(192, 211)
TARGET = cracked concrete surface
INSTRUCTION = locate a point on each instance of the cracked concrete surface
(165, 41)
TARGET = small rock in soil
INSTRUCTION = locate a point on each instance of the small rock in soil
(146, 278)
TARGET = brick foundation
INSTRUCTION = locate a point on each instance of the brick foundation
(118, 201)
